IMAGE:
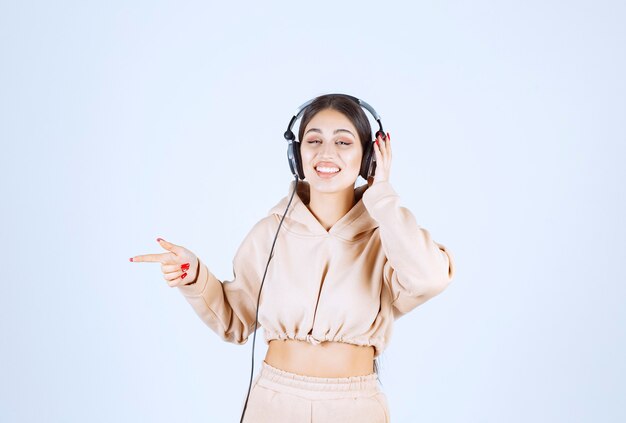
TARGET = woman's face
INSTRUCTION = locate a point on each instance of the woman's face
(331, 152)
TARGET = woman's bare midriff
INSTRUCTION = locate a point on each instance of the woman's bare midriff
(328, 359)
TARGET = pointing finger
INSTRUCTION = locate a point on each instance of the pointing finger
(161, 258)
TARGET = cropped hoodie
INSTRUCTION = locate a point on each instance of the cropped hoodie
(347, 284)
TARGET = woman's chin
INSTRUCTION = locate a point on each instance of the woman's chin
(330, 185)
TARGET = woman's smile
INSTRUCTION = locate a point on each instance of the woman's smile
(327, 170)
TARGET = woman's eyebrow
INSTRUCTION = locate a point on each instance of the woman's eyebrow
(334, 132)
(343, 130)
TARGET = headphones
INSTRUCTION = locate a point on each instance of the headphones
(368, 163)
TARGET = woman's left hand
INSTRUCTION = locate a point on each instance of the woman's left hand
(382, 149)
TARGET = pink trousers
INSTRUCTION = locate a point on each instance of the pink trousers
(278, 396)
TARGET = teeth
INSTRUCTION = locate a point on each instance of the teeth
(327, 169)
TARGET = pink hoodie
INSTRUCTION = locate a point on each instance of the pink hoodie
(347, 284)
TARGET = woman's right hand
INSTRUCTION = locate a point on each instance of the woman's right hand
(179, 265)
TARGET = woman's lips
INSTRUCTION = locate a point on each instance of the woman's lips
(327, 166)
(326, 175)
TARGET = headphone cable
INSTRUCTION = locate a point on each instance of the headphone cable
(259, 297)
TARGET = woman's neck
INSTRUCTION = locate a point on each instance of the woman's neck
(329, 207)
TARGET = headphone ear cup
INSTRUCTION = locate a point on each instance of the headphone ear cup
(297, 158)
(294, 159)
(367, 162)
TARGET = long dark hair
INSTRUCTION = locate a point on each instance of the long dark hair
(353, 111)
(344, 105)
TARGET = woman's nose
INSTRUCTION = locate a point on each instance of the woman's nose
(328, 149)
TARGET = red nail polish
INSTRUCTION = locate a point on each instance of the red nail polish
(183, 276)
(159, 239)
(184, 267)
(131, 259)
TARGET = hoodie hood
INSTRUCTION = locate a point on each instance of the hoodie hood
(300, 220)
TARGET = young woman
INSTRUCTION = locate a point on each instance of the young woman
(347, 262)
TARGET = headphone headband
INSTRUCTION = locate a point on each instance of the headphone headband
(289, 135)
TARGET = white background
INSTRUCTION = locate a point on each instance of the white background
(124, 121)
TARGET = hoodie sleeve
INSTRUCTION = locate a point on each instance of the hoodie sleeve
(417, 268)
(229, 307)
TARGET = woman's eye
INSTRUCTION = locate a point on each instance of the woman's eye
(338, 142)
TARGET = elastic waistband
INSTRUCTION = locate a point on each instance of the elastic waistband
(366, 384)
